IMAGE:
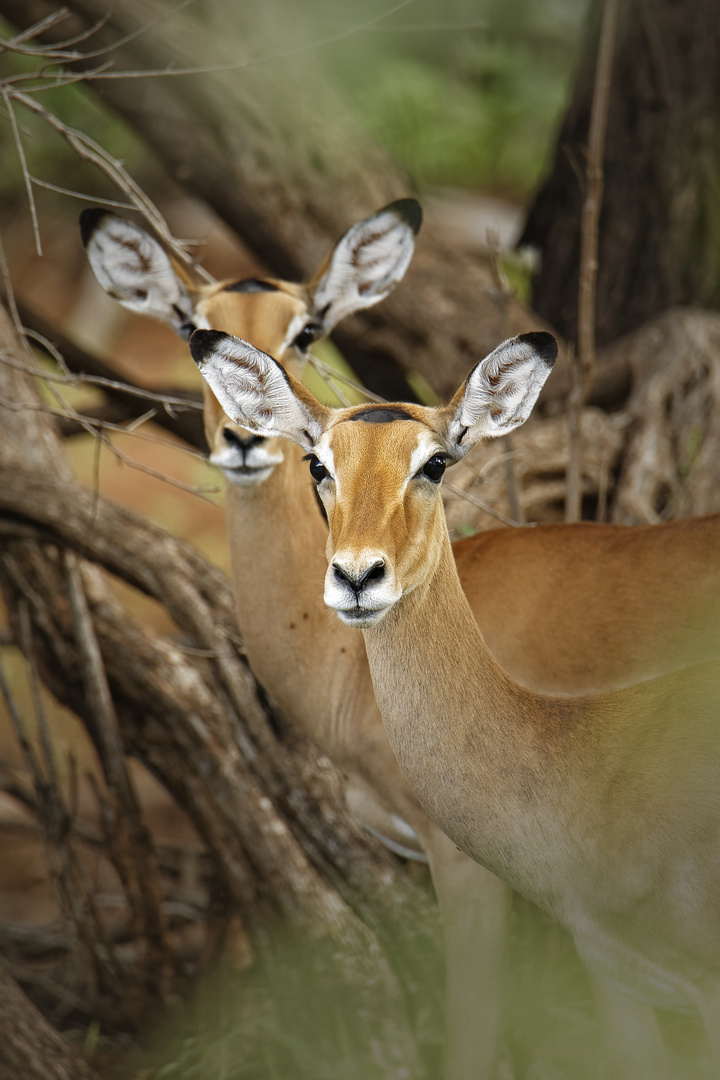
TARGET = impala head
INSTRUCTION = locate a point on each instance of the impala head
(281, 318)
(377, 467)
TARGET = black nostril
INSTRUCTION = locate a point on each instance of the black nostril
(342, 577)
(244, 442)
(373, 573)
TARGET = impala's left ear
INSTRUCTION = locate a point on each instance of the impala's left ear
(133, 268)
(366, 264)
(500, 392)
(255, 391)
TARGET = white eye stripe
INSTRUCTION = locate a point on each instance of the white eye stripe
(297, 324)
(325, 456)
(426, 448)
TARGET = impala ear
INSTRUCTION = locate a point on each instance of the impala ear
(255, 391)
(367, 263)
(500, 392)
(133, 268)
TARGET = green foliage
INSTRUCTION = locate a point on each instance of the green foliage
(473, 97)
(487, 128)
(295, 1015)
(48, 156)
(292, 1016)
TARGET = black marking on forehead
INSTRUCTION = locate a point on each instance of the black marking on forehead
(251, 285)
(381, 414)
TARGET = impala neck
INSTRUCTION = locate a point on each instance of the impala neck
(311, 664)
(475, 746)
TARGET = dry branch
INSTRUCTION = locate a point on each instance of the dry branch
(671, 465)
(584, 366)
(128, 840)
(267, 808)
(245, 151)
(30, 1048)
(177, 410)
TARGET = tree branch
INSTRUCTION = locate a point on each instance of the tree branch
(584, 367)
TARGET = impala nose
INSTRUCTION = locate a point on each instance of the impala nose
(356, 581)
(244, 442)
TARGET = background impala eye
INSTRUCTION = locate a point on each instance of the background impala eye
(306, 337)
(434, 468)
(317, 469)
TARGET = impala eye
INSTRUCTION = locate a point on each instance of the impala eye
(306, 337)
(317, 469)
(434, 468)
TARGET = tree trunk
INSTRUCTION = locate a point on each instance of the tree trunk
(30, 1049)
(660, 221)
(271, 149)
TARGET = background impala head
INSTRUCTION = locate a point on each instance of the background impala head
(280, 317)
(377, 467)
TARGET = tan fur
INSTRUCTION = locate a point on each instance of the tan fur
(532, 592)
(605, 811)
(317, 672)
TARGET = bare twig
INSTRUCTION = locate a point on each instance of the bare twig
(97, 430)
(584, 366)
(13, 44)
(89, 150)
(482, 505)
(331, 376)
(128, 840)
(67, 871)
(43, 728)
(25, 170)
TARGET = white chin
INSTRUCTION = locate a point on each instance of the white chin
(360, 618)
(247, 477)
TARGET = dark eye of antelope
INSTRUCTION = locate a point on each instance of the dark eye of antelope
(317, 469)
(434, 468)
(306, 337)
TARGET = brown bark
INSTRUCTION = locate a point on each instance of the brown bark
(670, 465)
(30, 1049)
(270, 148)
(659, 227)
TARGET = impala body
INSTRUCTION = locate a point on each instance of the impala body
(602, 809)
(315, 670)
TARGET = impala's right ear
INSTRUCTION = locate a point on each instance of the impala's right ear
(500, 392)
(133, 268)
(255, 391)
(367, 263)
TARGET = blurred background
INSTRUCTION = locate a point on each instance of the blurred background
(334, 108)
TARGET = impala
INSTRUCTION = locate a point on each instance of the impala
(604, 810)
(540, 595)
(317, 673)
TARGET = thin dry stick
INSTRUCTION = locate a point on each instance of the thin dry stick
(69, 877)
(97, 431)
(584, 365)
(482, 505)
(72, 379)
(330, 377)
(87, 149)
(25, 171)
(503, 293)
(129, 842)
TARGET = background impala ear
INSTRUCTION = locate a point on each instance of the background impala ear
(134, 269)
(500, 392)
(367, 263)
(255, 391)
